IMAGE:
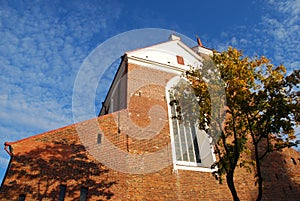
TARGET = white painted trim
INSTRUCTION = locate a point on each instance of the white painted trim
(168, 56)
(192, 168)
(170, 84)
(157, 65)
(199, 49)
(174, 37)
(176, 164)
(190, 51)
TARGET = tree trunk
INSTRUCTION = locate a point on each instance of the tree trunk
(259, 175)
(230, 183)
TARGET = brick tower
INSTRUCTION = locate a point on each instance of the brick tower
(134, 149)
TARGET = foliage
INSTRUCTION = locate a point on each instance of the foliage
(260, 111)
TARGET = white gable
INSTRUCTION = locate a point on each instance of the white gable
(165, 54)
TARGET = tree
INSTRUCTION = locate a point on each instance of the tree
(272, 112)
(262, 108)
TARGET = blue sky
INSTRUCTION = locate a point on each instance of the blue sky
(44, 43)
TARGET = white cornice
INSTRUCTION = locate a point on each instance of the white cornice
(156, 65)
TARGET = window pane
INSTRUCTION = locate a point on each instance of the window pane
(191, 151)
(62, 192)
(183, 142)
(189, 142)
(196, 144)
(175, 129)
(83, 193)
(22, 197)
(176, 140)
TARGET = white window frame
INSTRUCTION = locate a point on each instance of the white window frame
(185, 165)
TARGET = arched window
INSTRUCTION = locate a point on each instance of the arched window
(191, 148)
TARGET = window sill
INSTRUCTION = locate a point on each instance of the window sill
(194, 168)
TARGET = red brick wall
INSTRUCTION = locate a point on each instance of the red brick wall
(43, 162)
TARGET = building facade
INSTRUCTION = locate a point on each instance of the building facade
(135, 149)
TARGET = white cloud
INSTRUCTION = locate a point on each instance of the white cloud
(281, 25)
(275, 36)
(3, 162)
(41, 49)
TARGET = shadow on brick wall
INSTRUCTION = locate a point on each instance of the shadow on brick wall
(281, 172)
(39, 173)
